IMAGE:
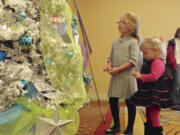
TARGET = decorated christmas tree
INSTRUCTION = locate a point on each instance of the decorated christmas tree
(40, 67)
(19, 44)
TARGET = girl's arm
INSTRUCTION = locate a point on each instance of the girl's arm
(123, 67)
(133, 59)
(157, 69)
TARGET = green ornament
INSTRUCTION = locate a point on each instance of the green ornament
(69, 54)
(47, 62)
(70, 80)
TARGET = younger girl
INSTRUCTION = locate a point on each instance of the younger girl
(121, 63)
(152, 93)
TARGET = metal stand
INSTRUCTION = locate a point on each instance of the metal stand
(87, 43)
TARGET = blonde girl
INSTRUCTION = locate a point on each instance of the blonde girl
(152, 92)
(121, 63)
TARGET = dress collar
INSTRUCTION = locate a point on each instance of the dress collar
(124, 39)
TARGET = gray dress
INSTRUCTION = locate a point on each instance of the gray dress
(123, 84)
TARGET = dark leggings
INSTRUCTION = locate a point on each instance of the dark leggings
(115, 112)
(131, 115)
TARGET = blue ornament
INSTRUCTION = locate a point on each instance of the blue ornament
(25, 41)
(87, 80)
(21, 15)
(69, 54)
(32, 91)
(2, 55)
(25, 83)
(74, 23)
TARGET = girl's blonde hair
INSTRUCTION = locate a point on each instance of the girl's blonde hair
(153, 43)
(177, 31)
(132, 21)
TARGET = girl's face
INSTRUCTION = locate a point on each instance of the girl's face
(149, 54)
(123, 29)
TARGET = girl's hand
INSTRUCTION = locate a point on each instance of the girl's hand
(137, 75)
(113, 71)
(107, 68)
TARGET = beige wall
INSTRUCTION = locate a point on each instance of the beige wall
(157, 17)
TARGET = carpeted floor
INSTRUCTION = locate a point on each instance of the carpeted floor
(92, 123)
(170, 120)
(90, 117)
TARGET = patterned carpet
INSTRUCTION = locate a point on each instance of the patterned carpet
(170, 120)
(91, 121)
(90, 117)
